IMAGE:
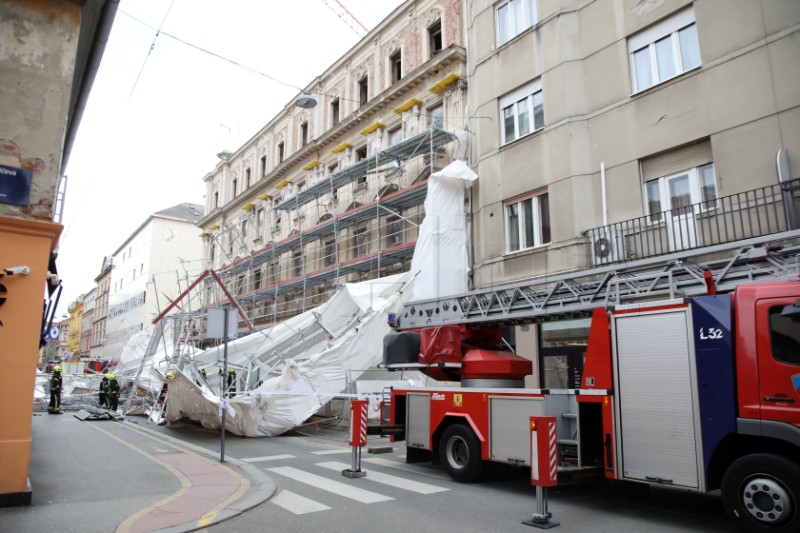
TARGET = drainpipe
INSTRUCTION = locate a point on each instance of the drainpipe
(603, 192)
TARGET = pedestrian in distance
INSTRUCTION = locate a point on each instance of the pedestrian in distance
(231, 382)
(56, 381)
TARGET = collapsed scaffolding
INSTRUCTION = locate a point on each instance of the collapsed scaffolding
(291, 370)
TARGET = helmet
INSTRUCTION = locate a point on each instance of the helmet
(57, 368)
(170, 374)
(230, 370)
(112, 376)
(106, 376)
(204, 372)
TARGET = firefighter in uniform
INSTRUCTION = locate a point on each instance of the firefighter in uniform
(231, 382)
(54, 408)
(112, 393)
(103, 389)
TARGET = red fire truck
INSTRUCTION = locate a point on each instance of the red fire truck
(693, 383)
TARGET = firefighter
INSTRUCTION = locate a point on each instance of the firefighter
(204, 374)
(56, 381)
(112, 393)
(231, 382)
(103, 389)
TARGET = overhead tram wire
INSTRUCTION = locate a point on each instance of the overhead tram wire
(152, 45)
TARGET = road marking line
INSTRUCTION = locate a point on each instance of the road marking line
(386, 479)
(297, 504)
(408, 467)
(331, 452)
(267, 458)
(337, 487)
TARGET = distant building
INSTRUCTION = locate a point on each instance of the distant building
(75, 311)
(102, 286)
(89, 303)
(146, 271)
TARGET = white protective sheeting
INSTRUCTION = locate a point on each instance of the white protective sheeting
(440, 260)
(297, 366)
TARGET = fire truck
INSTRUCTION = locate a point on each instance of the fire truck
(690, 379)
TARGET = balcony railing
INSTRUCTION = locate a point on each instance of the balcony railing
(727, 219)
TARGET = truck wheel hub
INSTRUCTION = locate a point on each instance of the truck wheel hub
(457, 452)
(766, 500)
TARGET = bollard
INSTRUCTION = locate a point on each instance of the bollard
(358, 436)
(544, 467)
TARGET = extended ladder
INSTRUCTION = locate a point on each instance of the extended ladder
(576, 294)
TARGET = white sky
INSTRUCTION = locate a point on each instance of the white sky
(146, 145)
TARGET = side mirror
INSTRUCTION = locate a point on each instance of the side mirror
(792, 310)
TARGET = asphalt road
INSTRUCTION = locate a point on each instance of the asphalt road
(314, 496)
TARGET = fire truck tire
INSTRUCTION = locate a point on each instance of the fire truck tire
(761, 492)
(460, 452)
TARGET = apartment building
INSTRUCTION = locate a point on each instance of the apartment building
(150, 269)
(614, 130)
(75, 310)
(100, 316)
(87, 324)
(331, 190)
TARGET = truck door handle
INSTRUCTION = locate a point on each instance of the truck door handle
(778, 399)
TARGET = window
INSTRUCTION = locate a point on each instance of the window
(246, 178)
(275, 270)
(213, 252)
(395, 136)
(664, 50)
(304, 134)
(360, 238)
(256, 279)
(361, 153)
(435, 38)
(297, 263)
(244, 230)
(280, 152)
(363, 90)
(230, 242)
(436, 117)
(396, 66)
(333, 168)
(263, 166)
(677, 192)
(394, 227)
(784, 336)
(330, 253)
(234, 187)
(335, 112)
(521, 112)
(527, 222)
(240, 284)
(514, 17)
(260, 222)
(216, 199)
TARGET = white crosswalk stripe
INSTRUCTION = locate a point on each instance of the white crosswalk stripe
(416, 469)
(333, 452)
(267, 458)
(337, 487)
(297, 504)
(386, 479)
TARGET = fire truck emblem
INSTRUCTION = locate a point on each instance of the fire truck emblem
(796, 383)
(457, 400)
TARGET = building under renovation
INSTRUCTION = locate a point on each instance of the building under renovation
(331, 189)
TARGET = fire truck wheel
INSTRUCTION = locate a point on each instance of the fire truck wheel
(460, 451)
(761, 492)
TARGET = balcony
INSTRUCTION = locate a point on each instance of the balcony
(746, 215)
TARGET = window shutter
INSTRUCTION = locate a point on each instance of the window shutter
(674, 161)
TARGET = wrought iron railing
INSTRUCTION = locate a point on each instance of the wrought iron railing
(748, 214)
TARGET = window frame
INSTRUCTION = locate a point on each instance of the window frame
(529, 20)
(696, 193)
(435, 38)
(668, 28)
(396, 66)
(537, 231)
(335, 112)
(525, 93)
(363, 90)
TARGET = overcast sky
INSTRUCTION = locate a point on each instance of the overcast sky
(160, 110)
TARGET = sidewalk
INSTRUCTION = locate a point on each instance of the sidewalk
(108, 476)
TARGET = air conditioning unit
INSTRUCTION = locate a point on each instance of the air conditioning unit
(608, 247)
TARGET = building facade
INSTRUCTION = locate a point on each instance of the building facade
(75, 310)
(165, 248)
(87, 324)
(50, 53)
(638, 120)
(331, 190)
(102, 286)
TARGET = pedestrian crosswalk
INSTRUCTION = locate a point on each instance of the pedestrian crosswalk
(324, 477)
